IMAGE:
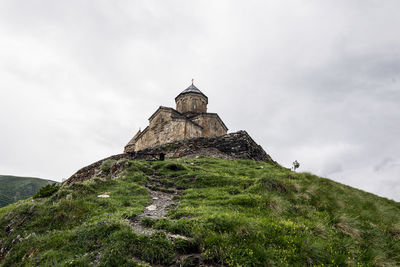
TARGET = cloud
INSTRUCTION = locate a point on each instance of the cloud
(385, 181)
(313, 81)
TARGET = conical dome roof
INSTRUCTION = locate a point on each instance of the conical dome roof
(192, 89)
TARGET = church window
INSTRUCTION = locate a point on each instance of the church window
(183, 105)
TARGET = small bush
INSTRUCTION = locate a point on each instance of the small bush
(222, 223)
(47, 191)
(148, 222)
(156, 249)
(60, 216)
(233, 190)
(106, 166)
(175, 167)
(270, 183)
(186, 246)
(82, 189)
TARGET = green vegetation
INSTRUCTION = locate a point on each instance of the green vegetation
(14, 188)
(106, 166)
(47, 190)
(234, 213)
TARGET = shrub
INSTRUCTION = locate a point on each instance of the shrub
(106, 166)
(147, 222)
(156, 249)
(233, 190)
(222, 223)
(270, 183)
(185, 246)
(135, 177)
(47, 191)
(175, 167)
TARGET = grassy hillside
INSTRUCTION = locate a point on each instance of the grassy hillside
(233, 213)
(14, 188)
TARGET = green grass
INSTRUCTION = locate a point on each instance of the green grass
(235, 213)
(14, 188)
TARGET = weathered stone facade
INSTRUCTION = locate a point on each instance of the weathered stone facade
(238, 145)
(189, 120)
(191, 102)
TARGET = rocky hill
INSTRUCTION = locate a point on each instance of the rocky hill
(14, 188)
(237, 145)
(200, 212)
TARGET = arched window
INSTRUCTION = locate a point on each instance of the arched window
(183, 105)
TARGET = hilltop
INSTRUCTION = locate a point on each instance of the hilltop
(14, 188)
(204, 211)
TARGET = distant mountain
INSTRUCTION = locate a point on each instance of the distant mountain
(14, 188)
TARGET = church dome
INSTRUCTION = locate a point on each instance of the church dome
(192, 89)
(191, 101)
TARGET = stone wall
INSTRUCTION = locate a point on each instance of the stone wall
(191, 102)
(164, 128)
(237, 145)
(211, 123)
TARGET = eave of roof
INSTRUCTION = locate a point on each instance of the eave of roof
(192, 89)
(142, 133)
(177, 113)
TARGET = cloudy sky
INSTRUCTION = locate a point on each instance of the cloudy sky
(316, 81)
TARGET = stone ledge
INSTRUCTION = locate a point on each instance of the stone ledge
(238, 145)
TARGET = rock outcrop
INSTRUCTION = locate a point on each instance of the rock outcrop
(238, 145)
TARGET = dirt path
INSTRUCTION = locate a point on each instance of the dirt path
(156, 210)
(160, 204)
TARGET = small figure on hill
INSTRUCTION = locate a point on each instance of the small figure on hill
(296, 165)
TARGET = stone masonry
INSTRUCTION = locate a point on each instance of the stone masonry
(238, 145)
(189, 120)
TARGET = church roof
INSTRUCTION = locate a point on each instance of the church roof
(191, 89)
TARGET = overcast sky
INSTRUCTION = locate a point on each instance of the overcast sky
(313, 81)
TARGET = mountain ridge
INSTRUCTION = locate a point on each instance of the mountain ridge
(14, 188)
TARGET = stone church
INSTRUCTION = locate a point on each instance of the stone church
(189, 130)
(189, 120)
